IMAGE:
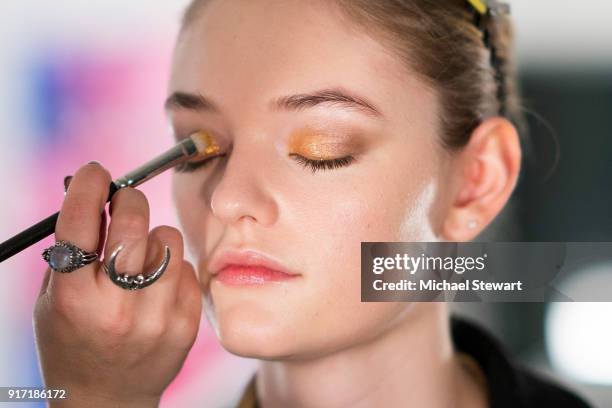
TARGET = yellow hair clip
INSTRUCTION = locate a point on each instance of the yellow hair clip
(492, 7)
(479, 5)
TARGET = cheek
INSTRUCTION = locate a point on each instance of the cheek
(371, 209)
(180, 199)
(191, 212)
(375, 208)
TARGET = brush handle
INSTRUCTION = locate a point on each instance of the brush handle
(175, 156)
(36, 232)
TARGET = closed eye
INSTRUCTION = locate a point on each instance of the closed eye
(316, 165)
(189, 167)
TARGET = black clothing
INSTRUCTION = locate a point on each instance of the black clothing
(509, 384)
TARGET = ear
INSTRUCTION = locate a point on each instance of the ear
(485, 173)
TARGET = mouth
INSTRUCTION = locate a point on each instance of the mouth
(248, 267)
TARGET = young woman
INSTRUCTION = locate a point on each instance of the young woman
(339, 122)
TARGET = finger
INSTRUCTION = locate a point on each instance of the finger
(189, 296)
(80, 219)
(187, 311)
(102, 235)
(162, 293)
(129, 228)
(156, 305)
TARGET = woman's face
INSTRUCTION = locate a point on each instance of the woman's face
(287, 82)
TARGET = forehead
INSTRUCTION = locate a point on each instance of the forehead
(264, 45)
(242, 54)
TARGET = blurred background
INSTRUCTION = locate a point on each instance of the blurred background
(86, 80)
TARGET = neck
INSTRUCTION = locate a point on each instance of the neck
(412, 364)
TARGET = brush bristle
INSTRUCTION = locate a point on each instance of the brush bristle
(205, 143)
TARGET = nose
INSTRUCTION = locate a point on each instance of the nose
(243, 192)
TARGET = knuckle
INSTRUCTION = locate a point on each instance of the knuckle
(153, 328)
(114, 325)
(95, 176)
(65, 305)
(168, 234)
(184, 330)
(130, 195)
(131, 224)
(78, 208)
(135, 194)
(95, 172)
(85, 198)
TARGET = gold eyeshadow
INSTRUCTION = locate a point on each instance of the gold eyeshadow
(317, 144)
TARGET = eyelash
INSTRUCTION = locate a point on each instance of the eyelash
(191, 167)
(314, 165)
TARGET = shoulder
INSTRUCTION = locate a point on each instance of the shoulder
(509, 384)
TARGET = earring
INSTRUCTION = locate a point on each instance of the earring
(472, 224)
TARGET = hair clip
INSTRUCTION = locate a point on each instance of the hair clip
(479, 5)
(492, 7)
(487, 9)
(497, 8)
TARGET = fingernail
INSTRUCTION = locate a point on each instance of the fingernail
(67, 181)
(94, 162)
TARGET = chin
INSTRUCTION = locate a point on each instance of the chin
(254, 328)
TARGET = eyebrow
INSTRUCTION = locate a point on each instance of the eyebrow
(331, 96)
(189, 101)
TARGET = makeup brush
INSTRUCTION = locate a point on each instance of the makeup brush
(197, 147)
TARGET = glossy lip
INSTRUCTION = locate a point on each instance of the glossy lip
(246, 257)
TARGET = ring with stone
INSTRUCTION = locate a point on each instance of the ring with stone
(66, 257)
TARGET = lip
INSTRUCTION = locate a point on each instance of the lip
(248, 266)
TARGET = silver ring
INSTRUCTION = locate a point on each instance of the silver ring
(66, 257)
(139, 281)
